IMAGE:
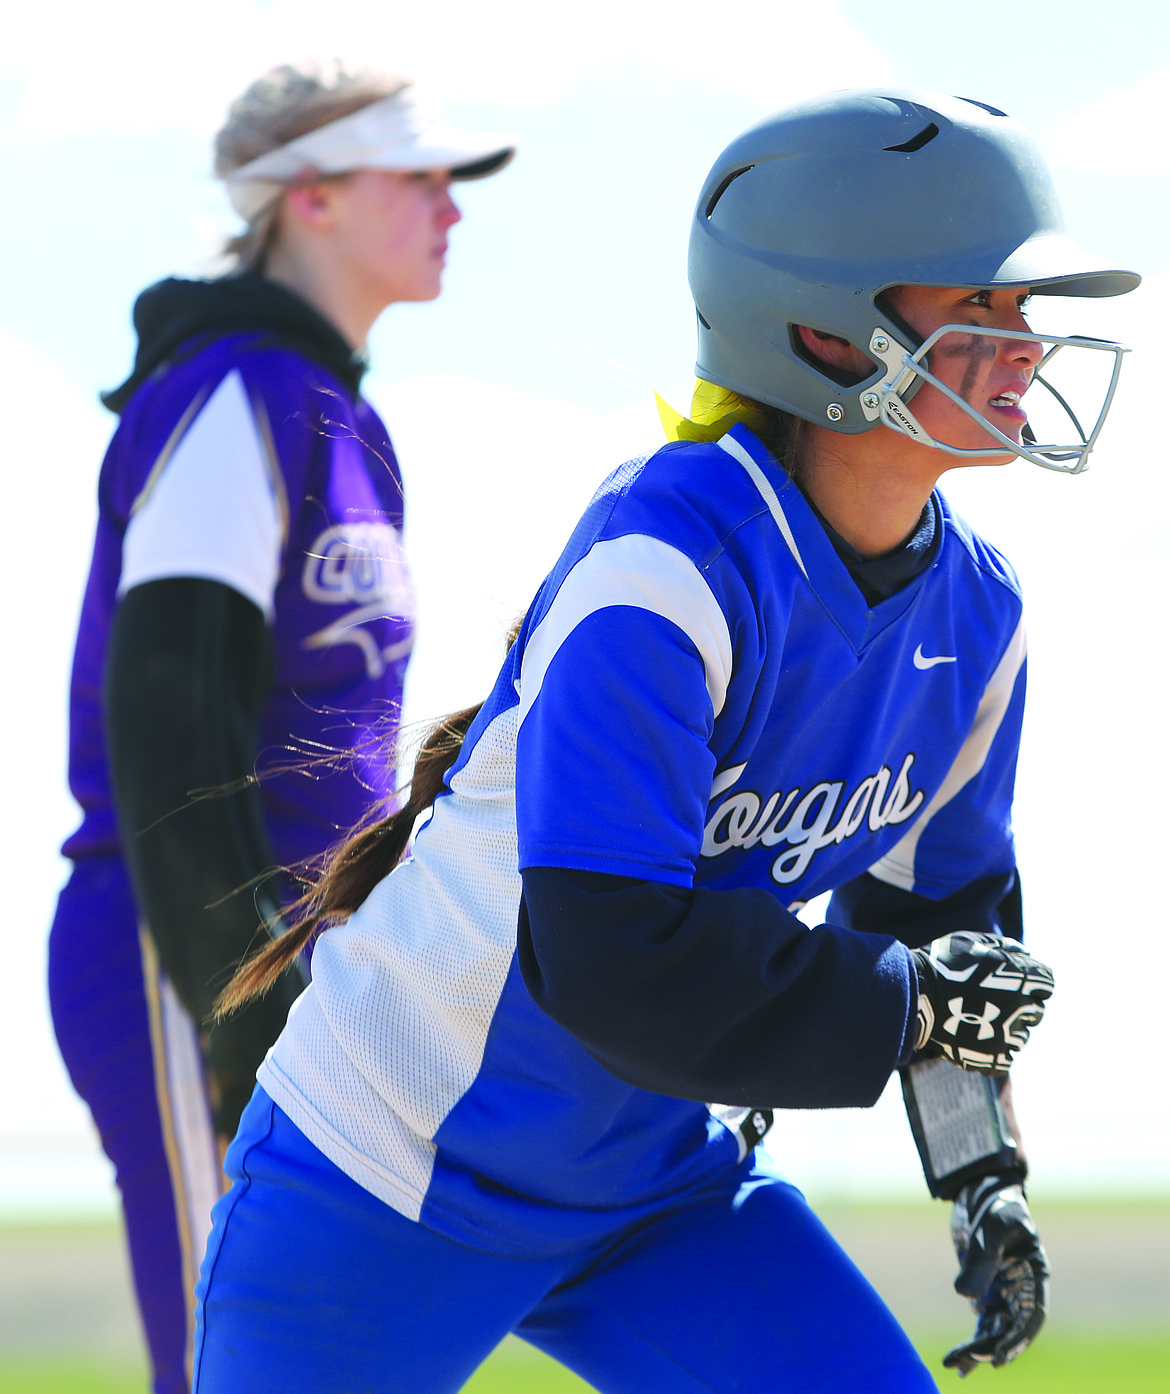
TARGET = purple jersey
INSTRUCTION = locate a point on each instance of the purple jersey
(249, 463)
(247, 486)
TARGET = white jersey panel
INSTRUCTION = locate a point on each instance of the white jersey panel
(211, 506)
(645, 573)
(309, 1075)
(391, 1033)
(897, 867)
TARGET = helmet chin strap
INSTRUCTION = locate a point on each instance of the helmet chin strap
(885, 401)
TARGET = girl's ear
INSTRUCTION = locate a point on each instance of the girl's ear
(833, 351)
(310, 204)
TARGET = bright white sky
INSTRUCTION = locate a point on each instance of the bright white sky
(565, 306)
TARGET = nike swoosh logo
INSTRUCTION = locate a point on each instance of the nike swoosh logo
(922, 662)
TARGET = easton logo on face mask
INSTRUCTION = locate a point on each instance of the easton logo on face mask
(807, 821)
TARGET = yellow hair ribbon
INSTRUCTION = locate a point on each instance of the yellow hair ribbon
(714, 411)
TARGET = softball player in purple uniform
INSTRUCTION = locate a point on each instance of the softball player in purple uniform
(523, 1091)
(248, 613)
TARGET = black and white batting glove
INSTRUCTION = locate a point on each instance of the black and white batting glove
(978, 997)
(1003, 1270)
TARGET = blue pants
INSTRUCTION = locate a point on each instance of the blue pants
(310, 1283)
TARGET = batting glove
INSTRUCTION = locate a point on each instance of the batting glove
(1003, 1270)
(978, 997)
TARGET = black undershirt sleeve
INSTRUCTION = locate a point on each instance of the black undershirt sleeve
(989, 905)
(189, 665)
(718, 996)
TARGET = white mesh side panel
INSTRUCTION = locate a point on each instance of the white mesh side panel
(391, 1033)
(310, 1076)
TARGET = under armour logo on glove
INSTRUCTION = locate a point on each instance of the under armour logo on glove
(959, 1017)
(978, 997)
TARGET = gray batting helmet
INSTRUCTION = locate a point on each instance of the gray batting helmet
(808, 216)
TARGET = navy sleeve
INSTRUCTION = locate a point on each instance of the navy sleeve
(718, 996)
(187, 671)
(988, 905)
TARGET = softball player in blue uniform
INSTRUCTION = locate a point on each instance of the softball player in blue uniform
(523, 1091)
(248, 611)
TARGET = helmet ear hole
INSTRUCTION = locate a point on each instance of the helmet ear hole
(831, 355)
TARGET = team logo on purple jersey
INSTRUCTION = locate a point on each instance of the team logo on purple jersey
(360, 566)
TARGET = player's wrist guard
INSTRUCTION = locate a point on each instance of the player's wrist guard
(978, 997)
(1003, 1269)
(959, 1126)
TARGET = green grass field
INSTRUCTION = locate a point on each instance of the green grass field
(67, 1324)
(1060, 1365)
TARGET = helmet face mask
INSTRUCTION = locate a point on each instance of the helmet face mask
(907, 369)
(811, 215)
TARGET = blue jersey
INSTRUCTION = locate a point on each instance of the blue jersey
(701, 699)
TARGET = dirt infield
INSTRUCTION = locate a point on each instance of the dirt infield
(66, 1288)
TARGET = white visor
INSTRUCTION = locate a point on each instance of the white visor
(391, 133)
